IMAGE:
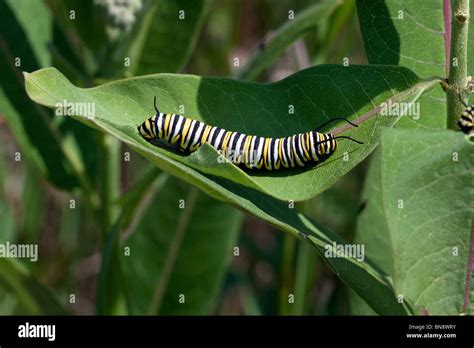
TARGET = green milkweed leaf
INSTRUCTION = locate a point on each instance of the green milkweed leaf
(314, 95)
(418, 218)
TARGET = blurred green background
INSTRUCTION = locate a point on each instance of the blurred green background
(74, 273)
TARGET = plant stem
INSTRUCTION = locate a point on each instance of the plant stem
(305, 258)
(458, 60)
(109, 180)
(289, 244)
(307, 263)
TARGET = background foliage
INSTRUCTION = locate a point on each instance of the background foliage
(126, 228)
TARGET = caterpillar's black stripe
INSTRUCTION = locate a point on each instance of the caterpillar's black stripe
(466, 121)
(252, 151)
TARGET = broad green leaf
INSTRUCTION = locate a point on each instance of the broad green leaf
(316, 94)
(183, 245)
(284, 36)
(31, 22)
(407, 33)
(33, 298)
(25, 29)
(418, 218)
(410, 34)
(357, 306)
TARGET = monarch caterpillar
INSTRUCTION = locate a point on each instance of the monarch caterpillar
(466, 120)
(254, 152)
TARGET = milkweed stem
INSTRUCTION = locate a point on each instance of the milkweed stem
(457, 79)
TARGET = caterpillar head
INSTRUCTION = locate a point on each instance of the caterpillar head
(332, 142)
(146, 130)
(325, 143)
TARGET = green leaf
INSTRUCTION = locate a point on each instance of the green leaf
(31, 22)
(28, 122)
(418, 218)
(284, 36)
(409, 34)
(183, 245)
(406, 33)
(317, 94)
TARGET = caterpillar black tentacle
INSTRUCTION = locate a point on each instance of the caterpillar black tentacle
(154, 104)
(335, 119)
(345, 137)
(252, 151)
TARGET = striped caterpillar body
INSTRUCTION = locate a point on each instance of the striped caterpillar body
(254, 152)
(466, 121)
